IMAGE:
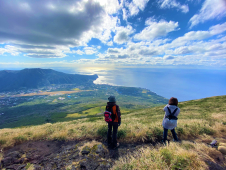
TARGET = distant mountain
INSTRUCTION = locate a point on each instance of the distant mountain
(36, 77)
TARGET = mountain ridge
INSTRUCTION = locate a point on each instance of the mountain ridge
(36, 77)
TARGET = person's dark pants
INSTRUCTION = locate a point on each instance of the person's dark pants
(113, 136)
(165, 132)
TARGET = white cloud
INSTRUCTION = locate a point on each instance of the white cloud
(218, 29)
(69, 24)
(9, 49)
(122, 34)
(78, 52)
(110, 43)
(110, 6)
(173, 4)
(156, 29)
(211, 9)
(168, 57)
(133, 7)
(89, 50)
(198, 35)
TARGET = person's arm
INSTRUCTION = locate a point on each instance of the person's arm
(164, 109)
(119, 115)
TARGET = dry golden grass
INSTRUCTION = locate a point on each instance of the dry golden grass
(162, 158)
(201, 121)
(195, 121)
(89, 144)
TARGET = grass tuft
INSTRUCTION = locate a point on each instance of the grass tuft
(102, 131)
(20, 139)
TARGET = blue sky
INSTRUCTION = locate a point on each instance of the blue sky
(112, 33)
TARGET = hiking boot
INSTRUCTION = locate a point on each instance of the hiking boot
(115, 147)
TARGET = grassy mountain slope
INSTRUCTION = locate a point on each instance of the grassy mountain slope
(200, 121)
(40, 109)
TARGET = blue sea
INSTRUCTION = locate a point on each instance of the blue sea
(184, 84)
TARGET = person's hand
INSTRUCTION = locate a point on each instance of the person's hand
(119, 124)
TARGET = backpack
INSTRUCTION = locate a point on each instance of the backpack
(171, 116)
(109, 115)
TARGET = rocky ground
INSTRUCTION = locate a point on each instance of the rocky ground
(75, 155)
(63, 155)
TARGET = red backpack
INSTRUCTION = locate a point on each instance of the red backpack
(109, 115)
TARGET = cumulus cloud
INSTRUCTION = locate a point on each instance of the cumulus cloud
(122, 34)
(156, 29)
(199, 35)
(89, 50)
(113, 50)
(147, 52)
(123, 56)
(44, 23)
(133, 8)
(168, 57)
(211, 9)
(173, 4)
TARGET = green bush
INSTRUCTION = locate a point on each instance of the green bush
(2, 142)
(20, 139)
(166, 155)
(224, 123)
(206, 130)
(102, 131)
(180, 163)
(157, 133)
(29, 134)
(60, 138)
(70, 131)
(121, 133)
(180, 131)
(126, 167)
(187, 146)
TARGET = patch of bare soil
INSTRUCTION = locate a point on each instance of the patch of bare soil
(43, 155)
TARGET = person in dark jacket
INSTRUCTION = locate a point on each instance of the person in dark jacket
(116, 122)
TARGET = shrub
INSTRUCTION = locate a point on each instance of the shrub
(224, 123)
(102, 131)
(149, 135)
(121, 133)
(70, 131)
(60, 138)
(206, 130)
(126, 167)
(20, 139)
(2, 142)
(187, 146)
(50, 130)
(181, 162)
(157, 133)
(180, 131)
(29, 134)
(167, 155)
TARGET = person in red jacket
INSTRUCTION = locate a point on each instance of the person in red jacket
(116, 122)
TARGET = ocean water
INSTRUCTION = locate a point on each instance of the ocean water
(184, 84)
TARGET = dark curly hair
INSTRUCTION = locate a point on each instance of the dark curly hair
(173, 101)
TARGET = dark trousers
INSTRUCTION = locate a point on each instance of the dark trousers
(114, 135)
(165, 132)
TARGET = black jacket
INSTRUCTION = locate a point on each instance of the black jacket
(116, 111)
